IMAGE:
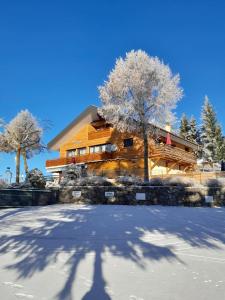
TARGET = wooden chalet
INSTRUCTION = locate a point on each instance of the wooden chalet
(95, 145)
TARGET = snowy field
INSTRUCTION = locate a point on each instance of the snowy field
(112, 252)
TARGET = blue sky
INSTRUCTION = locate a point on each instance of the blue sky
(54, 54)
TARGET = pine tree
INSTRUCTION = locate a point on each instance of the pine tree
(220, 144)
(211, 134)
(193, 132)
(184, 127)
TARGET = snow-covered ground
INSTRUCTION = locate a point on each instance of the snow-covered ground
(112, 252)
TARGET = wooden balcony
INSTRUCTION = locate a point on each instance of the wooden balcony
(171, 153)
(59, 162)
(78, 159)
(165, 152)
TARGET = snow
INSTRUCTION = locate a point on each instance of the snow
(140, 90)
(112, 252)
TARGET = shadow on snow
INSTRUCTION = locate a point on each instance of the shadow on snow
(118, 230)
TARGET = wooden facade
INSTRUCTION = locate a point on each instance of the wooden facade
(102, 149)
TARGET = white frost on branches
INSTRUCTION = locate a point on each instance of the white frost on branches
(140, 89)
(213, 145)
(23, 131)
(21, 136)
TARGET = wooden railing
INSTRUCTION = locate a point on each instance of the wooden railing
(161, 151)
(173, 153)
(78, 159)
(99, 134)
(59, 161)
(93, 157)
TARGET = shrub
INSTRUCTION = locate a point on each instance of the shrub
(219, 182)
(86, 181)
(128, 180)
(180, 181)
(35, 179)
(71, 174)
(52, 184)
(156, 181)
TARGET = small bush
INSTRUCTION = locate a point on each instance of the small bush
(180, 181)
(52, 184)
(157, 181)
(35, 179)
(219, 182)
(128, 180)
(86, 181)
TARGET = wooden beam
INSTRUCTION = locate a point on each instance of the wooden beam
(187, 167)
(155, 163)
(168, 169)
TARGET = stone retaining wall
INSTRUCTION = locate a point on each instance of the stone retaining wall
(22, 197)
(161, 195)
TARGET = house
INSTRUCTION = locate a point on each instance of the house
(95, 145)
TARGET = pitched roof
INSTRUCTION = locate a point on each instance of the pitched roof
(89, 115)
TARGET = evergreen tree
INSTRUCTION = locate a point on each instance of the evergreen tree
(220, 144)
(193, 131)
(211, 134)
(184, 127)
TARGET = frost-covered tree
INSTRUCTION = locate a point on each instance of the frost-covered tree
(211, 134)
(184, 127)
(22, 135)
(140, 90)
(188, 128)
(220, 144)
(194, 132)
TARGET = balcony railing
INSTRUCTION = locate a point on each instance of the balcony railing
(78, 159)
(59, 162)
(173, 153)
(162, 151)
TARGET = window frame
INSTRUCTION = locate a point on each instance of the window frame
(69, 151)
(79, 149)
(100, 146)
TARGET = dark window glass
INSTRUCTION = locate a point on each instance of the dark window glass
(127, 143)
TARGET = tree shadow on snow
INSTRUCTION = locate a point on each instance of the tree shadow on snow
(122, 231)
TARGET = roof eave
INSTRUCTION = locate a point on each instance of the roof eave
(54, 141)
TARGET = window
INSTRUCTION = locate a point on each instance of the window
(100, 148)
(127, 143)
(81, 151)
(71, 153)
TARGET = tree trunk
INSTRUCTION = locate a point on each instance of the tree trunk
(145, 139)
(18, 165)
(25, 161)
